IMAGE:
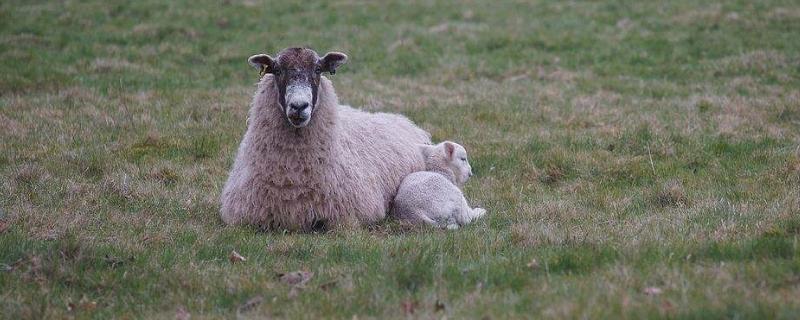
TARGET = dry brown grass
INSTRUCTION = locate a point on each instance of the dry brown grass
(672, 194)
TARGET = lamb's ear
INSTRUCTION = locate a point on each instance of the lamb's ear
(264, 63)
(449, 149)
(332, 60)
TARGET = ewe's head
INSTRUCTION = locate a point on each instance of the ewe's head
(297, 74)
(448, 155)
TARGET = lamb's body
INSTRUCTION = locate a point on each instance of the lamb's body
(433, 196)
(344, 168)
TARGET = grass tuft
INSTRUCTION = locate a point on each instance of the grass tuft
(672, 194)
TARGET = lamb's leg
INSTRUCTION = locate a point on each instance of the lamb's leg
(415, 217)
(423, 217)
(469, 214)
(478, 212)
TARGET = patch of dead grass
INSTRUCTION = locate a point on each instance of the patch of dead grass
(531, 235)
(554, 211)
(103, 65)
(760, 61)
(12, 127)
(30, 173)
(706, 14)
(784, 13)
(672, 194)
(737, 116)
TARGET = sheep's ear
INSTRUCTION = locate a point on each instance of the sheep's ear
(332, 60)
(262, 62)
(449, 149)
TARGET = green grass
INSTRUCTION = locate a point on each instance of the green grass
(618, 145)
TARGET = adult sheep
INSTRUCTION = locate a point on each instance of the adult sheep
(307, 162)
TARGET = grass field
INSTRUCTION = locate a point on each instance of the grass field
(637, 159)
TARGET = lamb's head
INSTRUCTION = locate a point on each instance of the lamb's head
(297, 73)
(449, 156)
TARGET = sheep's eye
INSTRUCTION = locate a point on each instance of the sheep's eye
(463, 159)
(277, 71)
(318, 70)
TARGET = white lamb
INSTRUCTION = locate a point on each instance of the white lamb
(307, 162)
(434, 196)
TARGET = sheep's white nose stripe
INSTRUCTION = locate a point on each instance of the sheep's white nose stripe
(298, 94)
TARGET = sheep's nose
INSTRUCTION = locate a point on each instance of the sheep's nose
(298, 106)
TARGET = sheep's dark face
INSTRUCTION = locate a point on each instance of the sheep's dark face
(297, 73)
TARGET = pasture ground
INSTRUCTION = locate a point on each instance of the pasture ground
(638, 159)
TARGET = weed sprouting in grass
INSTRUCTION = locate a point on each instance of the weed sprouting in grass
(415, 274)
(672, 194)
(204, 146)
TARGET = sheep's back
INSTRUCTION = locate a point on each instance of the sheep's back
(381, 150)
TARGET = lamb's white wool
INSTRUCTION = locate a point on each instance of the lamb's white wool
(448, 158)
(342, 168)
(433, 196)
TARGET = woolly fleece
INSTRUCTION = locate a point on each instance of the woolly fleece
(343, 169)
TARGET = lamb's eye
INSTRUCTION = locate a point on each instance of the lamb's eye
(276, 72)
(318, 70)
(464, 159)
